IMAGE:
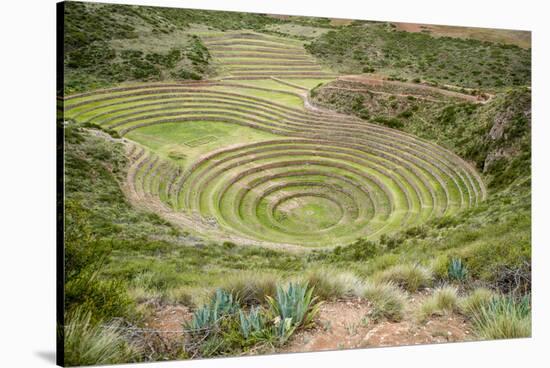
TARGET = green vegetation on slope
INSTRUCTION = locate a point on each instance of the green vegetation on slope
(366, 47)
(108, 44)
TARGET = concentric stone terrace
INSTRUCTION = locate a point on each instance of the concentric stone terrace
(292, 174)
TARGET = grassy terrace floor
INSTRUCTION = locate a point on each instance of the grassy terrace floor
(253, 55)
(248, 161)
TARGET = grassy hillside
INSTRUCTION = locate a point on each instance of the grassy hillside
(108, 44)
(368, 47)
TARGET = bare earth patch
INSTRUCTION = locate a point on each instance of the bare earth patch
(345, 324)
(169, 318)
(340, 325)
(513, 37)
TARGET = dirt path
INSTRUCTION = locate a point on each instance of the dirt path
(366, 90)
(375, 80)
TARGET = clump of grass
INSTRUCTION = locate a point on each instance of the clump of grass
(141, 295)
(408, 276)
(443, 301)
(503, 318)
(477, 299)
(387, 300)
(251, 288)
(329, 283)
(440, 267)
(182, 295)
(88, 343)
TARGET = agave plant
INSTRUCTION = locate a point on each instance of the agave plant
(202, 319)
(296, 304)
(252, 323)
(283, 329)
(208, 315)
(457, 270)
(222, 303)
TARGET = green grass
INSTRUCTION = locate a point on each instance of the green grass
(443, 301)
(165, 138)
(331, 283)
(504, 318)
(88, 343)
(408, 276)
(280, 98)
(387, 300)
(473, 303)
(251, 288)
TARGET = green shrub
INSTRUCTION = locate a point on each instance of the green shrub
(389, 122)
(387, 300)
(408, 276)
(105, 299)
(504, 318)
(186, 74)
(90, 343)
